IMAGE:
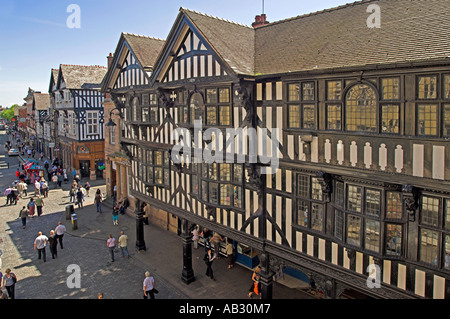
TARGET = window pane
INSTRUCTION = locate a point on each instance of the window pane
(317, 217)
(309, 117)
(302, 213)
(430, 211)
(372, 235)
(237, 174)
(390, 89)
(429, 246)
(308, 91)
(213, 171)
(225, 194)
(167, 177)
(225, 172)
(224, 95)
(334, 117)
(145, 114)
(447, 86)
(390, 119)
(427, 87)
(339, 224)
(153, 99)
(294, 116)
(153, 116)
(225, 118)
(427, 119)
(150, 175)
(361, 109)
(394, 208)
(303, 186)
(393, 239)
(354, 198)
(316, 189)
(237, 195)
(447, 252)
(197, 107)
(334, 90)
(205, 191)
(446, 130)
(159, 178)
(353, 230)
(294, 92)
(211, 115)
(373, 202)
(211, 96)
(447, 213)
(158, 158)
(339, 194)
(194, 184)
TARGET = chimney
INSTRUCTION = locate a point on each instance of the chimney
(110, 58)
(260, 20)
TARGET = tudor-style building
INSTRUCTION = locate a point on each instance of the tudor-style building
(78, 116)
(360, 120)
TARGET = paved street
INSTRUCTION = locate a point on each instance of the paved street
(86, 248)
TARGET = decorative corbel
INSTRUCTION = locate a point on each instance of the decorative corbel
(411, 196)
(326, 183)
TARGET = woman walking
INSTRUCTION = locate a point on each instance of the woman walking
(111, 244)
(256, 284)
(9, 282)
(31, 207)
(209, 257)
(115, 215)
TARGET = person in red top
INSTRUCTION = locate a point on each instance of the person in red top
(17, 173)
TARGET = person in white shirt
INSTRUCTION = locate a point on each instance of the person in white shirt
(39, 244)
(59, 231)
(149, 286)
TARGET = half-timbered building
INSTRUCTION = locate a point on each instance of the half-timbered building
(79, 118)
(338, 131)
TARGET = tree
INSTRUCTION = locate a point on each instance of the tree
(8, 114)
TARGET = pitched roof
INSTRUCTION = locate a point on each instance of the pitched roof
(82, 76)
(146, 49)
(340, 37)
(41, 101)
(233, 42)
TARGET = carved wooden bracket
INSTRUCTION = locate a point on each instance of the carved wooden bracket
(411, 196)
(326, 182)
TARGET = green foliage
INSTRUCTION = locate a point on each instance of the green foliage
(8, 114)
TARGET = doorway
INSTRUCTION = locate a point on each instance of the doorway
(84, 169)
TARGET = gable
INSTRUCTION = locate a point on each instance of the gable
(131, 73)
(193, 58)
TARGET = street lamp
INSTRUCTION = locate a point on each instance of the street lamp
(111, 122)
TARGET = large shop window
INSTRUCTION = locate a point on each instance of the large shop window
(434, 235)
(220, 184)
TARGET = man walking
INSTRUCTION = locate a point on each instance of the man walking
(39, 244)
(59, 231)
(39, 204)
(23, 214)
(53, 244)
(123, 243)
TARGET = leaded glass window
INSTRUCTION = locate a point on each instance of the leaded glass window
(390, 119)
(427, 121)
(334, 117)
(390, 88)
(427, 87)
(361, 109)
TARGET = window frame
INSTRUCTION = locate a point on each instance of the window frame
(298, 100)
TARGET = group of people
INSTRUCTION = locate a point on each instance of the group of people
(55, 237)
(78, 192)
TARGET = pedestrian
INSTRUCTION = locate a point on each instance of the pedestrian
(7, 193)
(44, 188)
(111, 244)
(9, 282)
(216, 239)
(59, 232)
(53, 242)
(60, 179)
(209, 258)
(72, 193)
(230, 253)
(123, 244)
(98, 200)
(18, 173)
(115, 215)
(195, 237)
(66, 179)
(37, 188)
(256, 284)
(79, 197)
(31, 207)
(87, 186)
(39, 205)
(39, 244)
(55, 180)
(13, 196)
(149, 286)
(23, 214)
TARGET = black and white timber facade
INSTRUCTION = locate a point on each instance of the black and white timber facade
(362, 135)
